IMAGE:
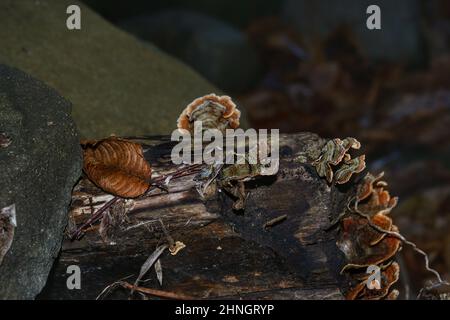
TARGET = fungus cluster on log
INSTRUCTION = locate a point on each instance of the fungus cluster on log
(120, 167)
(361, 236)
(335, 153)
(365, 244)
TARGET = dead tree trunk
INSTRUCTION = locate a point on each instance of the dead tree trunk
(279, 247)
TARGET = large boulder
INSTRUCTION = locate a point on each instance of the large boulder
(40, 161)
(116, 83)
(218, 51)
(399, 39)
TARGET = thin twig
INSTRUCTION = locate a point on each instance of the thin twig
(155, 292)
(432, 287)
(167, 234)
(94, 218)
(186, 171)
(140, 224)
(274, 221)
(218, 169)
(111, 286)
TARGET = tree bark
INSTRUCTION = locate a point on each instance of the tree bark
(280, 247)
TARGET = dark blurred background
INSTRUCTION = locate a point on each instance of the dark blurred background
(314, 66)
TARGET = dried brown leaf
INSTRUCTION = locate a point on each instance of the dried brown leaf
(117, 166)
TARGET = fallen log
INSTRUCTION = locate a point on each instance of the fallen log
(282, 246)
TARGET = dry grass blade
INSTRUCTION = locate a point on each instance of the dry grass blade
(149, 262)
(112, 286)
(158, 270)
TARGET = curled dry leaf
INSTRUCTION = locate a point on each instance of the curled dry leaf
(117, 166)
(215, 112)
(335, 154)
(7, 225)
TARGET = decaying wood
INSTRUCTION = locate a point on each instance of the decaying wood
(253, 254)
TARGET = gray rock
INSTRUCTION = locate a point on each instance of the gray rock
(39, 166)
(218, 51)
(115, 83)
(399, 39)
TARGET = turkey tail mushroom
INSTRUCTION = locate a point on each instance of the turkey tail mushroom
(335, 153)
(215, 112)
(364, 244)
(389, 275)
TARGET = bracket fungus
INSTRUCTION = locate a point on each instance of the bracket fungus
(117, 166)
(335, 153)
(215, 112)
(220, 113)
(372, 196)
(363, 242)
(365, 235)
(362, 246)
(389, 275)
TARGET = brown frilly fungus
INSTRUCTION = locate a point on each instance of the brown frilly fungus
(215, 112)
(372, 196)
(389, 276)
(117, 166)
(362, 246)
(363, 242)
(365, 234)
(335, 153)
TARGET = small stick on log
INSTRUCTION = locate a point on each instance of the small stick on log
(95, 217)
(273, 222)
(155, 292)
